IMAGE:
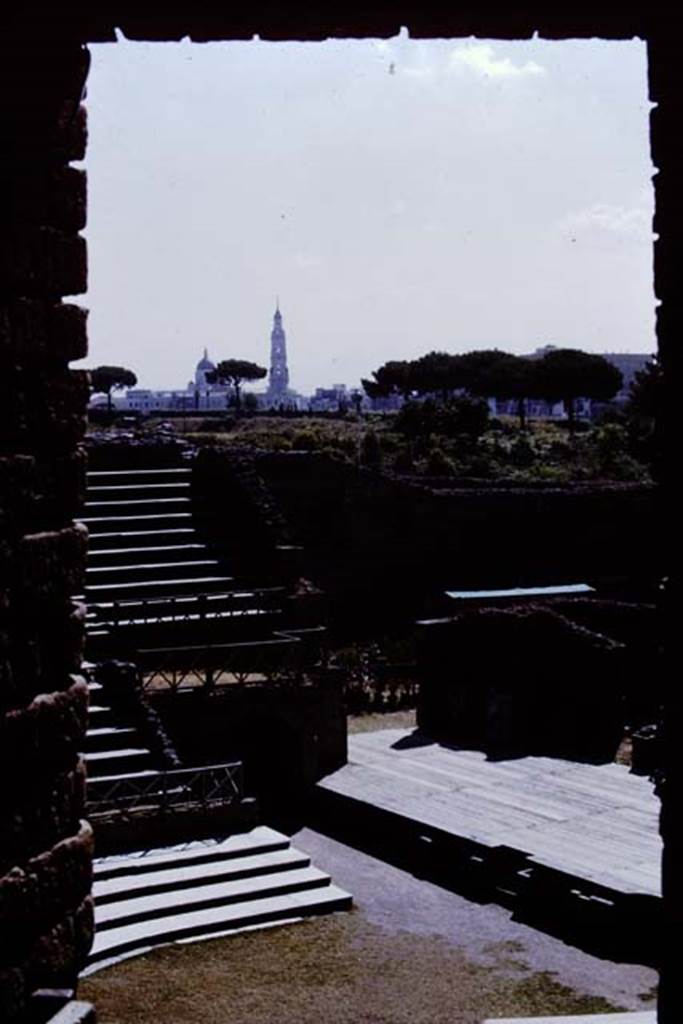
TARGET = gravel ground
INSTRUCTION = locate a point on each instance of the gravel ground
(410, 953)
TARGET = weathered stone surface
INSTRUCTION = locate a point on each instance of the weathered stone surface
(43, 262)
(43, 413)
(37, 811)
(46, 735)
(49, 567)
(36, 897)
(39, 333)
(13, 992)
(55, 197)
(44, 650)
(44, 493)
(67, 332)
(60, 954)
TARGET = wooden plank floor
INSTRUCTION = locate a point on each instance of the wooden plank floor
(597, 823)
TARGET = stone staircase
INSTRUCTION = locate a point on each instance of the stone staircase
(201, 889)
(151, 575)
(112, 749)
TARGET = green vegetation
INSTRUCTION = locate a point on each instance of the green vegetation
(234, 372)
(559, 375)
(446, 443)
(105, 379)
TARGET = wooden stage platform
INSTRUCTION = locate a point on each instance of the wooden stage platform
(594, 826)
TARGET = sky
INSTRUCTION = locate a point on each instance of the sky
(398, 196)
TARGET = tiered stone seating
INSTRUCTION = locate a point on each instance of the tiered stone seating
(199, 889)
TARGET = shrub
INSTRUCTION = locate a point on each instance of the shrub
(439, 464)
(370, 454)
(451, 419)
(404, 462)
(522, 453)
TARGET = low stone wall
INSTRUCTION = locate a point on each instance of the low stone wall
(383, 548)
(524, 680)
(287, 737)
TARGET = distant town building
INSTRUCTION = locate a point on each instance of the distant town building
(630, 363)
(279, 395)
(278, 377)
(200, 395)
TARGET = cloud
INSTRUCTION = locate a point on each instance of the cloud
(480, 58)
(623, 221)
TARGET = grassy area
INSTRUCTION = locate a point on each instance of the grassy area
(386, 720)
(337, 969)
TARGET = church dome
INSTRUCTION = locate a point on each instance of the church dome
(205, 363)
(204, 366)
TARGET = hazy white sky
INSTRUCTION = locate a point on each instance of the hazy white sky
(398, 196)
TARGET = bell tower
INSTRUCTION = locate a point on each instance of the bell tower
(278, 380)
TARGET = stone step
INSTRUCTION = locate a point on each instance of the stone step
(100, 476)
(143, 571)
(130, 540)
(116, 556)
(114, 762)
(119, 941)
(258, 840)
(109, 737)
(158, 587)
(100, 716)
(231, 599)
(200, 896)
(116, 524)
(172, 878)
(102, 491)
(117, 507)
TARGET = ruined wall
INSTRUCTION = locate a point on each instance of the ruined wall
(384, 548)
(46, 920)
(288, 738)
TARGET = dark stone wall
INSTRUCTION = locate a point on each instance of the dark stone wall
(383, 549)
(531, 679)
(46, 918)
(287, 737)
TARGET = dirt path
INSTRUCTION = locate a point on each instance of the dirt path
(410, 953)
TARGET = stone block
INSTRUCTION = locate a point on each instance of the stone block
(67, 332)
(43, 261)
(44, 650)
(43, 412)
(46, 735)
(13, 992)
(38, 811)
(49, 196)
(17, 481)
(39, 334)
(44, 494)
(49, 567)
(47, 894)
(59, 955)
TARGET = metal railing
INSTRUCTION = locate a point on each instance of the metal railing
(284, 660)
(167, 792)
(150, 611)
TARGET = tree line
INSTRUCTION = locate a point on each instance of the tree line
(560, 375)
